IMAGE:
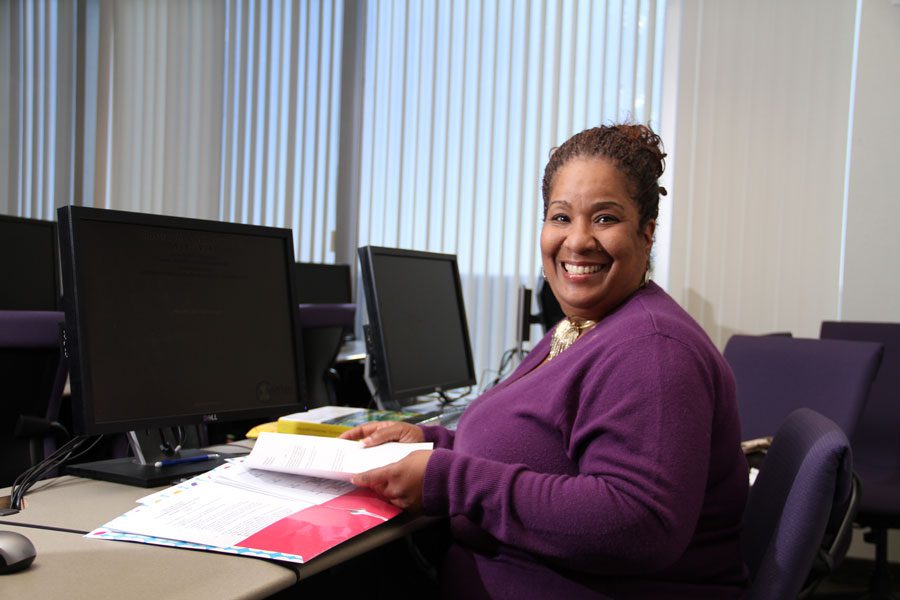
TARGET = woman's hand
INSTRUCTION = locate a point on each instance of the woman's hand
(381, 432)
(399, 483)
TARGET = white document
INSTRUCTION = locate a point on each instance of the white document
(300, 488)
(322, 414)
(205, 514)
(330, 458)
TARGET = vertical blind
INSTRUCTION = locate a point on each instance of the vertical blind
(37, 106)
(280, 123)
(246, 111)
(462, 103)
(158, 108)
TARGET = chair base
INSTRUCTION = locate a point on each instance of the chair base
(881, 584)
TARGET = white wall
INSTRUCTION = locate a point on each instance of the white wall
(871, 272)
(784, 207)
(759, 158)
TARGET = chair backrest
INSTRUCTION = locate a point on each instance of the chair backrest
(804, 500)
(875, 440)
(32, 377)
(323, 328)
(777, 374)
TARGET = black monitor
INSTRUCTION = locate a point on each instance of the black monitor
(174, 321)
(417, 337)
(548, 316)
(551, 312)
(29, 267)
(524, 317)
(316, 283)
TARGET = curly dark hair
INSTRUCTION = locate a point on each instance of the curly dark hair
(634, 149)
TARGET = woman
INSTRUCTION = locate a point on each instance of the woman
(609, 463)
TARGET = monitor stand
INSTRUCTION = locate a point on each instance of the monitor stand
(141, 470)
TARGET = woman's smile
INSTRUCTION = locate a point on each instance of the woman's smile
(581, 269)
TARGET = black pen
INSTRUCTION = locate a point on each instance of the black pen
(168, 462)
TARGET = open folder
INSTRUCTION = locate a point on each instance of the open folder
(261, 512)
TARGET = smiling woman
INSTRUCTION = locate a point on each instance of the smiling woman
(601, 199)
(609, 464)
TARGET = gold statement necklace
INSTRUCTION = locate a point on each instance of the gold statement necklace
(567, 331)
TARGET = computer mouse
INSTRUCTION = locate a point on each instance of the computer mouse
(16, 552)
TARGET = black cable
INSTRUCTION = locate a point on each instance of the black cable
(32, 475)
(30, 471)
(505, 361)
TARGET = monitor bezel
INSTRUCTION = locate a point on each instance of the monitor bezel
(54, 237)
(85, 422)
(378, 343)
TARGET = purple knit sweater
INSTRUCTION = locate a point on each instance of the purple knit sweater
(614, 470)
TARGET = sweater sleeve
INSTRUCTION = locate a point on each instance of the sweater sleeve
(441, 437)
(640, 434)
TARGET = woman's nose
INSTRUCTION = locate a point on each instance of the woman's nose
(581, 239)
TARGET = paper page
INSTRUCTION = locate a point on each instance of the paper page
(299, 488)
(205, 514)
(331, 458)
(322, 414)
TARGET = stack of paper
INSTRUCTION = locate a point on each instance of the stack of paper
(331, 421)
(283, 516)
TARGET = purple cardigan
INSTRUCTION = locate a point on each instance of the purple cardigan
(614, 470)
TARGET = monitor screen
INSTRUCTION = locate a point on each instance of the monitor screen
(316, 283)
(524, 318)
(28, 264)
(176, 321)
(418, 334)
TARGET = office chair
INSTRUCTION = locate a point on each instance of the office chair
(875, 444)
(778, 374)
(32, 375)
(323, 328)
(798, 520)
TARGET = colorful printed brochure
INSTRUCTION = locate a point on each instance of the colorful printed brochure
(238, 510)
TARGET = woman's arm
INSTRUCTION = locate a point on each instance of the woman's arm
(641, 438)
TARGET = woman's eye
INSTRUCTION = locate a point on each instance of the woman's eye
(607, 219)
(560, 218)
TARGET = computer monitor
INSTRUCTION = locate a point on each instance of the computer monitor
(29, 268)
(524, 317)
(551, 312)
(417, 337)
(316, 283)
(174, 321)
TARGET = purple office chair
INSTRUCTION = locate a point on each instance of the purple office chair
(32, 377)
(777, 374)
(323, 327)
(801, 508)
(876, 447)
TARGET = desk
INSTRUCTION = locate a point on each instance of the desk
(73, 567)
(66, 561)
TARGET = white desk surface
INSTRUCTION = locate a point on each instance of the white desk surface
(70, 566)
(74, 503)
(81, 505)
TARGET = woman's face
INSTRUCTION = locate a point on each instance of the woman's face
(594, 253)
